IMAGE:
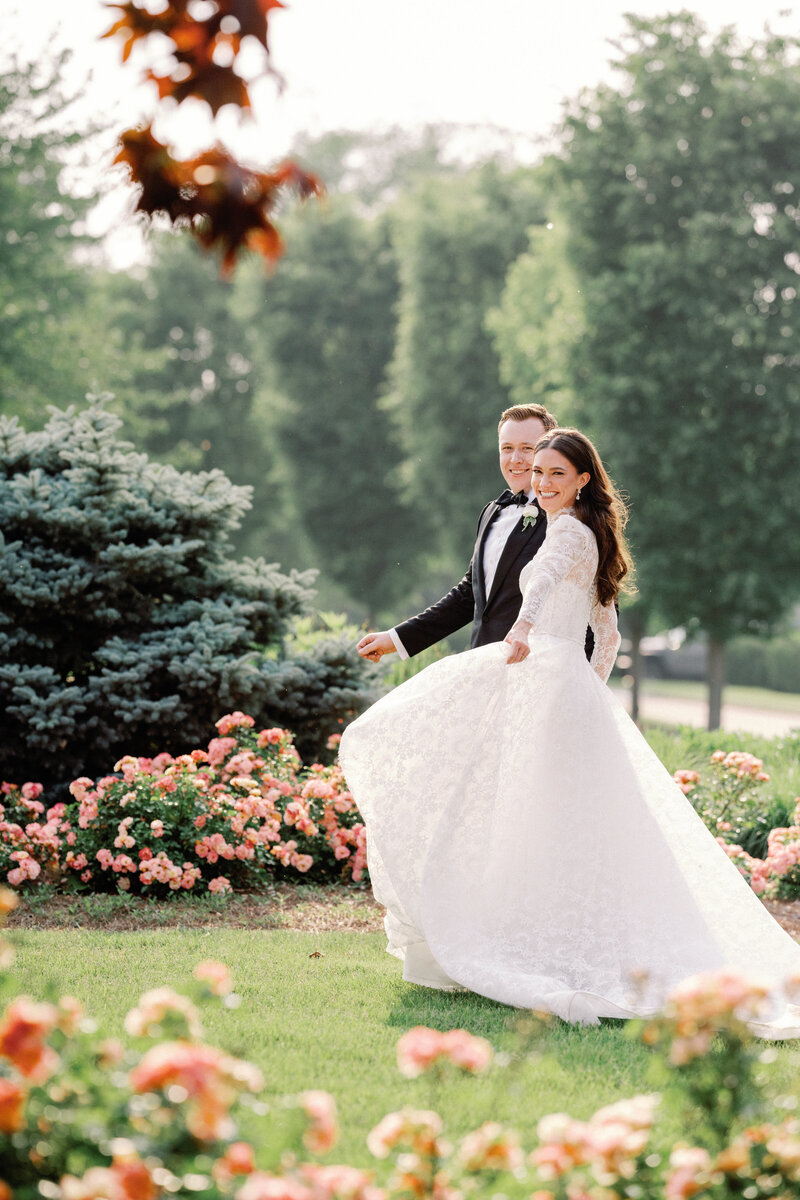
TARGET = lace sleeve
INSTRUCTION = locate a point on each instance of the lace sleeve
(603, 620)
(565, 545)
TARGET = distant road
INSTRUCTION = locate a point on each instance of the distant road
(674, 710)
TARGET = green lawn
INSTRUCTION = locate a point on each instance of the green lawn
(747, 697)
(692, 748)
(332, 1022)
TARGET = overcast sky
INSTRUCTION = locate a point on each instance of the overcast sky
(375, 63)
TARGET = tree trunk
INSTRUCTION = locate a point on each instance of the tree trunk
(636, 630)
(716, 681)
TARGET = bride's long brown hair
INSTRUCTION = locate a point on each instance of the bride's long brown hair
(600, 507)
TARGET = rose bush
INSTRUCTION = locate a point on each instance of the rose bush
(727, 799)
(726, 794)
(776, 877)
(232, 815)
(84, 1118)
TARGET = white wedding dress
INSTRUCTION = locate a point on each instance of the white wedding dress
(524, 839)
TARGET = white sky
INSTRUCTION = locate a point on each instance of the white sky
(375, 63)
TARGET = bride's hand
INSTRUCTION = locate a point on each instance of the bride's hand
(519, 646)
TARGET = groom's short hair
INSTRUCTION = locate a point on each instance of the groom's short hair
(523, 412)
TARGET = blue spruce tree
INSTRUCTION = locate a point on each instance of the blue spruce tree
(125, 625)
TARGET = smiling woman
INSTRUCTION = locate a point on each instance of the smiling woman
(556, 481)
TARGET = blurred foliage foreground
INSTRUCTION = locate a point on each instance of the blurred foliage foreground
(84, 1117)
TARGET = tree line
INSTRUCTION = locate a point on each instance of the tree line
(641, 280)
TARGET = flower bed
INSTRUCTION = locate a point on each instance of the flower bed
(85, 1118)
(233, 815)
(727, 799)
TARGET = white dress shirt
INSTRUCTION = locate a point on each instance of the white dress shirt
(493, 546)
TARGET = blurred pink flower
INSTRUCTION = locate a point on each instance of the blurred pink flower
(689, 1173)
(417, 1130)
(421, 1047)
(211, 1079)
(491, 1148)
(238, 1159)
(321, 1133)
(153, 1008)
(686, 780)
(261, 1186)
(12, 1102)
(219, 749)
(216, 975)
(24, 1028)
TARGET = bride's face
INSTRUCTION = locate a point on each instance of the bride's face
(556, 480)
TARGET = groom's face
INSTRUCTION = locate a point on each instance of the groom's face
(517, 442)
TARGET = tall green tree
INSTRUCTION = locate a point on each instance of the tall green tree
(184, 380)
(43, 289)
(324, 326)
(455, 240)
(681, 198)
(538, 325)
(376, 167)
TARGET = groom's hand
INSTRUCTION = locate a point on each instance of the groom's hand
(375, 645)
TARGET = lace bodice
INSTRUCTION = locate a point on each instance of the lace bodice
(559, 595)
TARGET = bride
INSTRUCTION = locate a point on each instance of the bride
(525, 841)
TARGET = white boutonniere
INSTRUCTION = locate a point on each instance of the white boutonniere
(530, 512)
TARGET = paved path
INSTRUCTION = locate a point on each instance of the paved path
(678, 711)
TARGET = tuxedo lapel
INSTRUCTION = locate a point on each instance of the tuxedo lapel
(477, 560)
(518, 540)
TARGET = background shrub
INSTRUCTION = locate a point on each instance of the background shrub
(758, 662)
(125, 624)
(783, 664)
(321, 684)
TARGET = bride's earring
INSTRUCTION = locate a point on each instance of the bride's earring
(578, 495)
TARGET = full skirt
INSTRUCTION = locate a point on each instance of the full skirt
(529, 846)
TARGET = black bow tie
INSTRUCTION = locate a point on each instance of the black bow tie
(511, 498)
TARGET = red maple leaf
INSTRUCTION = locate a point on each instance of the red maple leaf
(196, 42)
(192, 34)
(225, 204)
(136, 23)
(154, 169)
(228, 206)
(252, 16)
(237, 205)
(216, 85)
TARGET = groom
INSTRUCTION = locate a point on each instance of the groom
(488, 595)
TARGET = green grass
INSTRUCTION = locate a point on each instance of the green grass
(332, 1022)
(747, 697)
(688, 746)
(692, 748)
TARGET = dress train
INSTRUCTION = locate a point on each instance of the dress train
(527, 843)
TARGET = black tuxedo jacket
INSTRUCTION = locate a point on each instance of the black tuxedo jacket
(492, 616)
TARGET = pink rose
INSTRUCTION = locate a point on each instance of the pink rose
(232, 720)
